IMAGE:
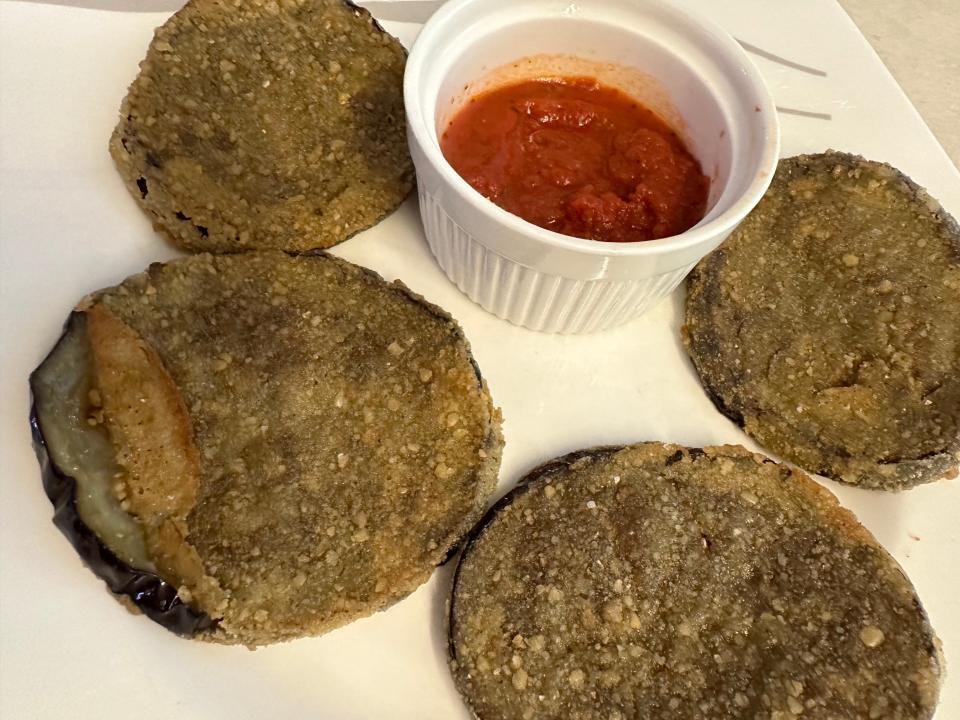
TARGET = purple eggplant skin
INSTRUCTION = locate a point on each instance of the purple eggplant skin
(363, 12)
(150, 593)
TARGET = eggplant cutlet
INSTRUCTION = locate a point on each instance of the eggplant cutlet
(257, 125)
(828, 324)
(255, 447)
(654, 581)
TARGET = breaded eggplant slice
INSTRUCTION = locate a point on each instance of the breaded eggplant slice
(256, 447)
(257, 125)
(828, 324)
(654, 581)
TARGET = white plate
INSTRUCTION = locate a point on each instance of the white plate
(69, 226)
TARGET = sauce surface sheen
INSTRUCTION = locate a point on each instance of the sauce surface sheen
(578, 158)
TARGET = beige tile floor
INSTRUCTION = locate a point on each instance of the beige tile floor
(919, 41)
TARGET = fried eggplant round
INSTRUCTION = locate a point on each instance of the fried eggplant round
(256, 447)
(259, 125)
(654, 581)
(828, 324)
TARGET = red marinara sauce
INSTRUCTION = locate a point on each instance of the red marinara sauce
(579, 158)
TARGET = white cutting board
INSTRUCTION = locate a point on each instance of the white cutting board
(68, 226)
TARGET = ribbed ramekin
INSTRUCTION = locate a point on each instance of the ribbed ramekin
(688, 70)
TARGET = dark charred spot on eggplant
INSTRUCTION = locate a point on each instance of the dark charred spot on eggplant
(675, 458)
(142, 185)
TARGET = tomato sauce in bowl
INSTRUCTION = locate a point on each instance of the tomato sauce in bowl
(579, 158)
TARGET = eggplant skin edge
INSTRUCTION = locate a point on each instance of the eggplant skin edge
(150, 593)
(546, 469)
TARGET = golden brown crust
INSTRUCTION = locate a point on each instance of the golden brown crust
(346, 441)
(655, 581)
(151, 431)
(148, 421)
(828, 324)
(274, 124)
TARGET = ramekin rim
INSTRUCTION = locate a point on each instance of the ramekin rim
(699, 234)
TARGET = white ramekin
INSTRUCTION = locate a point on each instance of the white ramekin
(696, 76)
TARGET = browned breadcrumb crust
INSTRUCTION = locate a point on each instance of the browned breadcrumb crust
(828, 324)
(655, 581)
(149, 427)
(266, 124)
(345, 440)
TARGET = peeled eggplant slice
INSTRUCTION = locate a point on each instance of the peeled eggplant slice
(78, 468)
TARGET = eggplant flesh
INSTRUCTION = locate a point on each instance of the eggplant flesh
(79, 470)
